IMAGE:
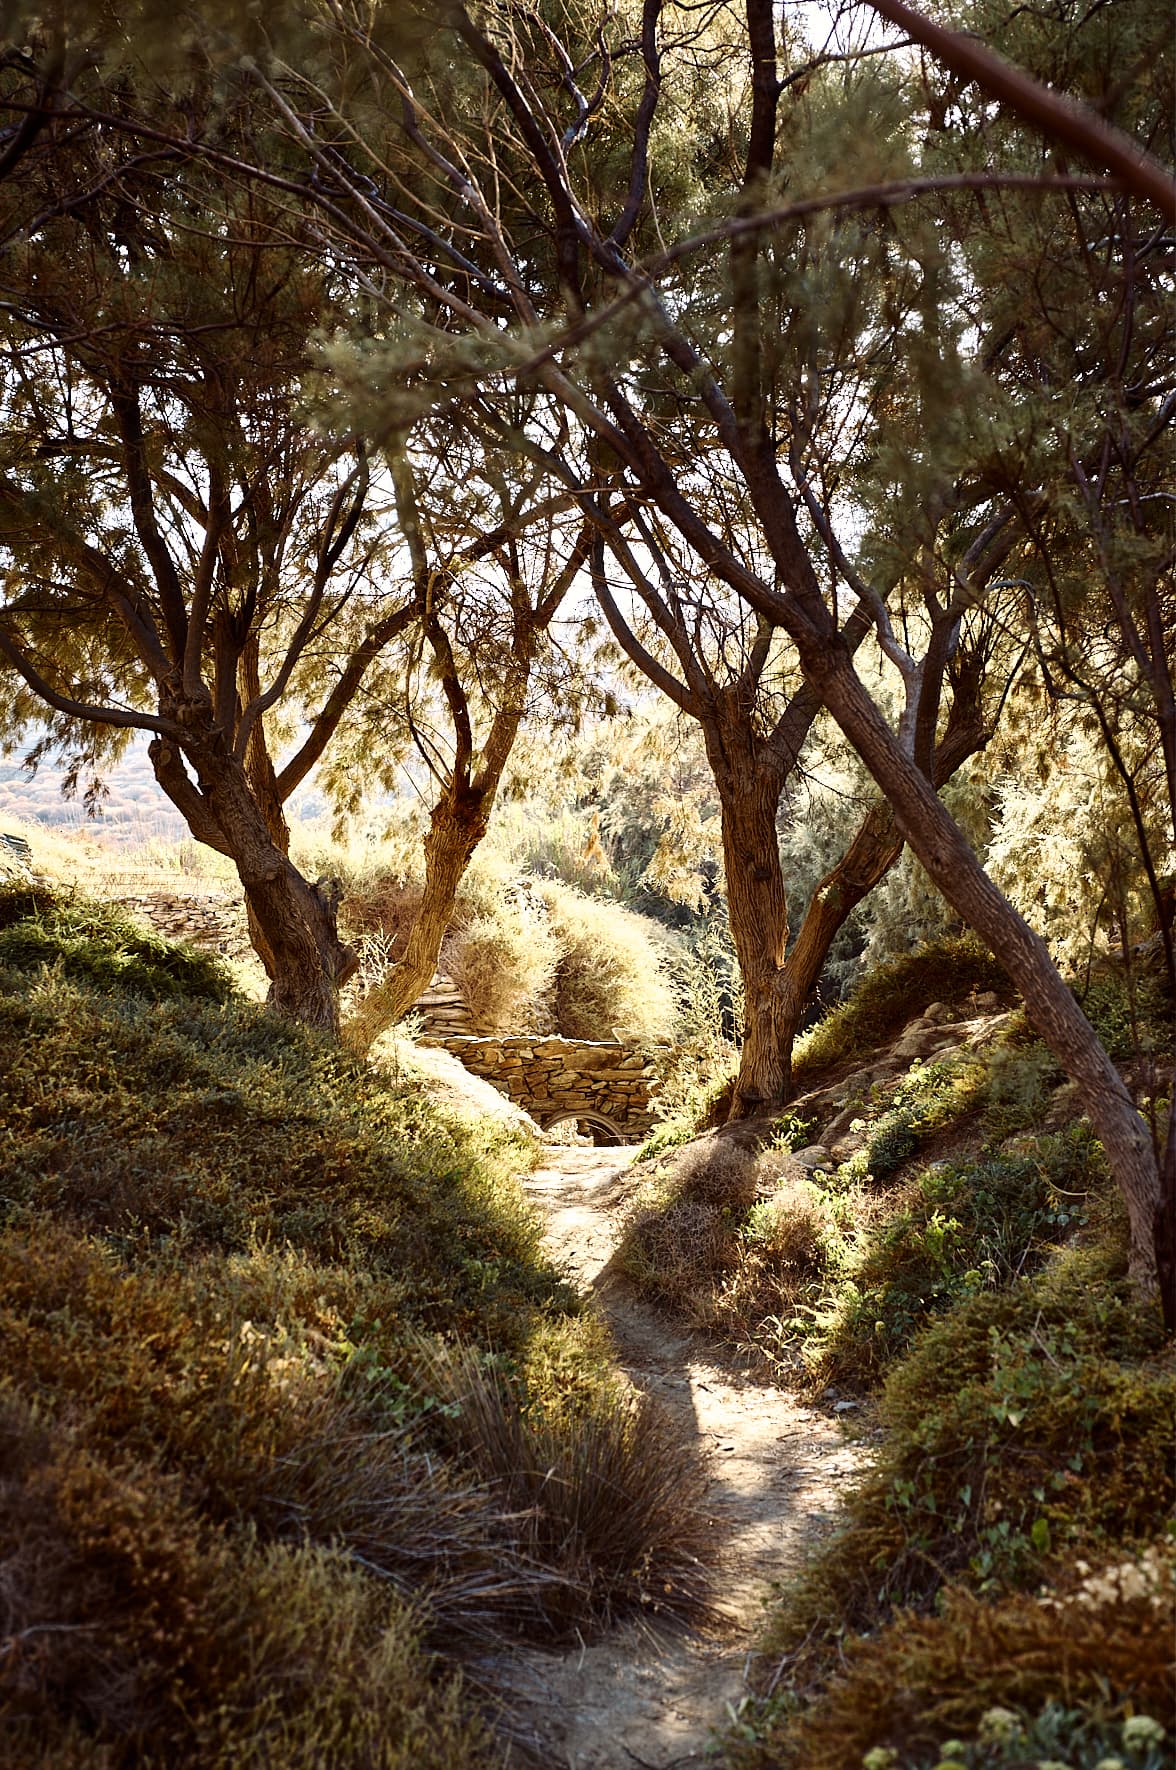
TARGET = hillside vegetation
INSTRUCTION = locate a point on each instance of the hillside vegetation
(299, 1425)
(929, 1242)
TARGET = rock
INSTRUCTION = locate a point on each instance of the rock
(917, 1041)
(988, 1002)
(847, 1148)
(812, 1157)
(939, 1014)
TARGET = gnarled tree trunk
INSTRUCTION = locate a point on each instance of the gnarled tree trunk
(294, 923)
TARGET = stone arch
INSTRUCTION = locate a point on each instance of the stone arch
(596, 1121)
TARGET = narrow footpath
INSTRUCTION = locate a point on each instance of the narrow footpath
(645, 1696)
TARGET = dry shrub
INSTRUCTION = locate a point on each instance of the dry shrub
(611, 977)
(681, 1235)
(602, 1492)
(133, 1624)
(925, 1678)
(794, 1230)
(675, 1252)
(504, 962)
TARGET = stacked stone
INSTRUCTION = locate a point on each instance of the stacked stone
(552, 1077)
(443, 1010)
(214, 921)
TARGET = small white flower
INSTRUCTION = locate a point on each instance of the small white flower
(1140, 1733)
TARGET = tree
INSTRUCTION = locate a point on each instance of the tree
(188, 554)
(489, 601)
(535, 274)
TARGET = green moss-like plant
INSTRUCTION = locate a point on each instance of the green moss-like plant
(944, 970)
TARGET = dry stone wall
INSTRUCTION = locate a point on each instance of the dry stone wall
(554, 1078)
(549, 1077)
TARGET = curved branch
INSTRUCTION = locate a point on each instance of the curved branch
(1054, 114)
(121, 717)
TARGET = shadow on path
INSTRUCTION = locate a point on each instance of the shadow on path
(646, 1696)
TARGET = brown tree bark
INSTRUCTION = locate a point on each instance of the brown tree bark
(295, 922)
(458, 822)
(784, 983)
(749, 779)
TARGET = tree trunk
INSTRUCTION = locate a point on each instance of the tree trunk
(458, 823)
(296, 922)
(867, 860)
(749, 784)
(1052, 1009)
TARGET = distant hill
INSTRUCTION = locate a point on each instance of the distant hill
(133, 808)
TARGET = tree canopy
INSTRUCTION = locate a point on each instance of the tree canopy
(847, 369)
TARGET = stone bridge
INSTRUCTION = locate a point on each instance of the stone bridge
(605, 1089)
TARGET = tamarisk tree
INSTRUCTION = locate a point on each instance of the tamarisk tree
(531, 208)
(186, 553)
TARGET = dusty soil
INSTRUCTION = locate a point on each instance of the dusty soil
(643, 1696)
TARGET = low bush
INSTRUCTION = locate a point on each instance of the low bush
(958, 1228)
(504, 960)
(682, 1229)
(95, 943)
(1027, 1422)
(1026, 1441)
(1068, 1679)
(136, 1631)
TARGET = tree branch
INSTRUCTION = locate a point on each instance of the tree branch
(1054, 114)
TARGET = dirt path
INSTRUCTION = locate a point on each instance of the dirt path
(641, 1696)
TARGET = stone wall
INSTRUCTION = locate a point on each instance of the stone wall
(554, 1078)
(549, 1077)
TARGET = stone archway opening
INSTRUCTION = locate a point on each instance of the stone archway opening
(596, 1125)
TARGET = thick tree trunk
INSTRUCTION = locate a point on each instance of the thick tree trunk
(459, 821)
(749, 784)
(296, 935)
(1052, 1009)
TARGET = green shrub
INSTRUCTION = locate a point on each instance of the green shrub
(1026, 1439)
(885, 999)
(1027, 1420)
(1130, 1013)
(98, 944)
(961, 1227)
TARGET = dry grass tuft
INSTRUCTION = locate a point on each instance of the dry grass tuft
(682, 1232)
(603, 1493)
